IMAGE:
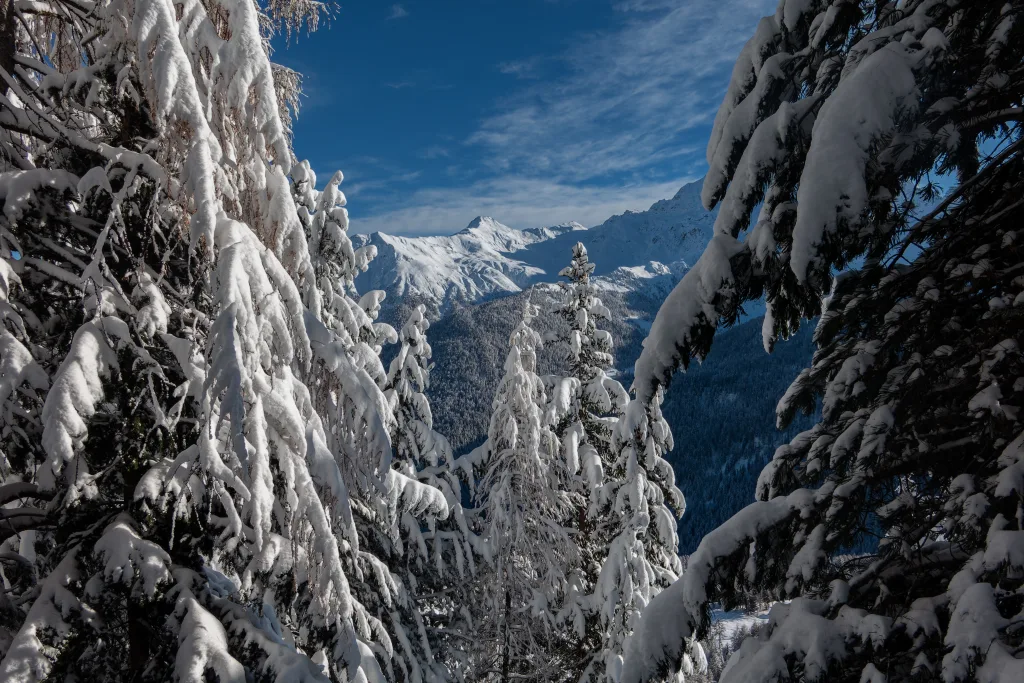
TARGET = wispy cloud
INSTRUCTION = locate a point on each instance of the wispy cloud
(398, 12)
(523, 68)
(631, 98)
(616, 120)
(516, 201)
(435, 152)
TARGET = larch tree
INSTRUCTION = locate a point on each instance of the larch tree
(840, 120)
(521, 512)
(185, 402)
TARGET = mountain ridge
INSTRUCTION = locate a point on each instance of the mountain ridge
(486, 259)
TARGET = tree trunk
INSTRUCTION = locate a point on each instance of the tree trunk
(506, 656)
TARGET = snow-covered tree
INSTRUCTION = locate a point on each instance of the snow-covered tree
(623, 524)
(893, 527)
(595, 399)
(417, 446)
(384, 511)
(521, 507)
(432, 558)
(187, 398)
(584, 409)
(426, 455)
(640, 505)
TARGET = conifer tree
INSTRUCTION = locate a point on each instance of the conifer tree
(417, 446)
(584, 408)
(185, 402)
(382, 509)
(521, 508)
(623, 523)
(838, 118)
(434, 557)
(596, 399)
(640, 498)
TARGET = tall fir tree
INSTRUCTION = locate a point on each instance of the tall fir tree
(840, 119)
(585, 407)
(624, 521)
(521, 509)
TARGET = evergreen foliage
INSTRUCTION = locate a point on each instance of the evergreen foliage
(437, 559)
(208, 471)
(838, 117)
(193, 422)
(585, 406)
(519, 482)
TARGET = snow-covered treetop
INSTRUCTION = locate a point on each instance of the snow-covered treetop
(589, 347)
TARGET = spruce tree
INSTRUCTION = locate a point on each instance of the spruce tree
(585, 408)
(640, 499)
(521, 507)
(892, 527)
(625, 501)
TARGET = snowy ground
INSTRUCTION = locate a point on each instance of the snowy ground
(734, 620)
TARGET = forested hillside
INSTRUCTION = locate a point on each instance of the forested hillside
(722, 414)
(469, 345)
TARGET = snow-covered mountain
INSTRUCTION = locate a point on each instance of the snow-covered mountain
(634, 250)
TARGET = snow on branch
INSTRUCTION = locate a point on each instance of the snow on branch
(680, 613)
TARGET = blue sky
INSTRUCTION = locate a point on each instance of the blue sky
(532, 111)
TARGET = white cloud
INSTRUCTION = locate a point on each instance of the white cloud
(516, 201)
(632, 98)
(631, 109)
(398, 12)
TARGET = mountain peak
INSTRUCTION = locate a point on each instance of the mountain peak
(485, 222)
(488, 259)
(691, 189)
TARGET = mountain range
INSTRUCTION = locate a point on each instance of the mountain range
(636, 251)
